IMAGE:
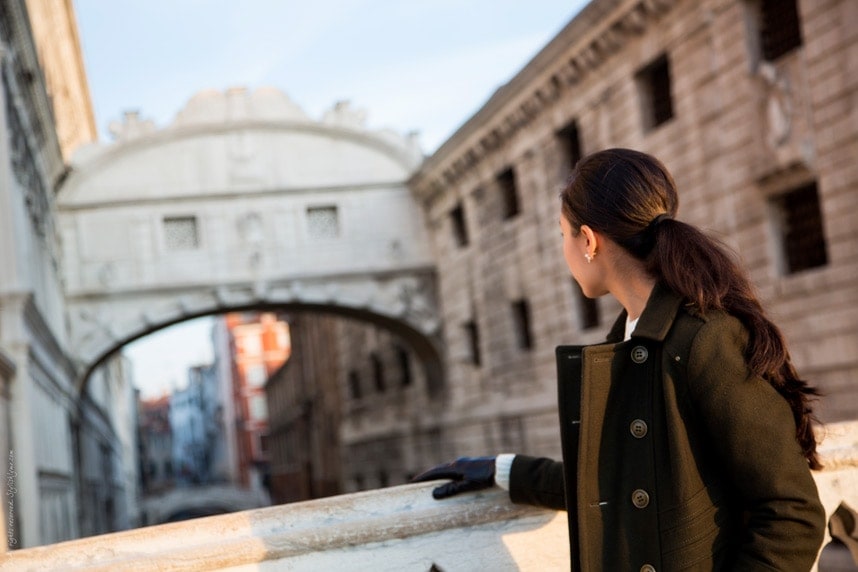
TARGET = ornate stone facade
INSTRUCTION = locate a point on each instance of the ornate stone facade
(66, 468)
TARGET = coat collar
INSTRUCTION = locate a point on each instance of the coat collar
(656, 319)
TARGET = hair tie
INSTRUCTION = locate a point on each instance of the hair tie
(655, 222)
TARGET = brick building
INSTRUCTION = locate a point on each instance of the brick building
(750, 104)
(350, 410)
(258, 344)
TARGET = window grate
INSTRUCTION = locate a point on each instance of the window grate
(655, 90)
(521, 321)
(181, 233)
(378, 373)
(323, 222)
(780, 28)
(473, 335)
(803, 236)
(354, 385)
(404, 365)
(570, 142)
(509, 193)
(460, 228)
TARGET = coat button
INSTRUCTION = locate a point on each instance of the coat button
(640, 498)
(647, 568)
(639, 354)
(638, 428)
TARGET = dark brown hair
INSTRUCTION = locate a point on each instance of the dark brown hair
(631, 198)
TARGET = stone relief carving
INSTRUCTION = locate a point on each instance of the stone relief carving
(250, 230)
(131, 127)
(417, 297)
(779, 104)
(344, 115)
(244, 159)
(25, 167)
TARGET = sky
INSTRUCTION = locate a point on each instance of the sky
(412, 65)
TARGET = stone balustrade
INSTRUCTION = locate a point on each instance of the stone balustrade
(399, 528)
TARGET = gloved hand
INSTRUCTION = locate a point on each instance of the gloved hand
(467, 474)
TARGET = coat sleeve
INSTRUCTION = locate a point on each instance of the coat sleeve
(752, 430)
(537, 481)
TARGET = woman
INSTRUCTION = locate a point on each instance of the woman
(687, 438)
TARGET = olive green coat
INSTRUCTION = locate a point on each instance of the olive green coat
(676, 456)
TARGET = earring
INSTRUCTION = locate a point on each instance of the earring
(589, 257)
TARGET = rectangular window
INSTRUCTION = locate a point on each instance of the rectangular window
(799, 219)
(378, 373)
(654, 87)
(570, 144)
(323, 222)
(588, 308)
(460, 227)
(473, 335)
(404, 365)
(354, 385)
(258, 408)
(509, 193)
(256, 375)
(181, 233)
(779, 28)
(521, 322)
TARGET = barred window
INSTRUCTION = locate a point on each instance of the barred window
(521, 321)
(509, 193)
(570, 142)
(323, 222)
(460, 228)
(404, 365)
(654, 87)
(779, 28)
(378, 373)
(473, 335)
(354, 385)
(799, 218)
(181, 233)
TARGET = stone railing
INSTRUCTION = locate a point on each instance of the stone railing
(399, 528)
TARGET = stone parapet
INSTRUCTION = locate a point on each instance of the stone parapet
(400, 528)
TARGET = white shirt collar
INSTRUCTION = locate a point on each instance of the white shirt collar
(630, 327)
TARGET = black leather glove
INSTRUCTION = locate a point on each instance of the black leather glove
(467, 474)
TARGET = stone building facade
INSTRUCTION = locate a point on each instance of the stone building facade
(749, 103)
(351, 410)
(304, 406)
(67, 471)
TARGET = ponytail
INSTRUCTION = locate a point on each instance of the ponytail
(699, 269)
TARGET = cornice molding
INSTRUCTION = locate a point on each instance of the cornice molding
(599, 31)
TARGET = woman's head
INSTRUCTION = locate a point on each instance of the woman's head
(619, 193)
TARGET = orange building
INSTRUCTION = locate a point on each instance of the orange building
(259, 346)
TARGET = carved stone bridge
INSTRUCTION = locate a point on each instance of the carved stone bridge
(244, 202)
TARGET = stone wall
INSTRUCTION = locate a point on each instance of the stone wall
(739, 133)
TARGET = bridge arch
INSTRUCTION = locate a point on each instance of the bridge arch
(402, 304)
(244, 202)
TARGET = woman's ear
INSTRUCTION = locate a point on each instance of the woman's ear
(592, 239)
